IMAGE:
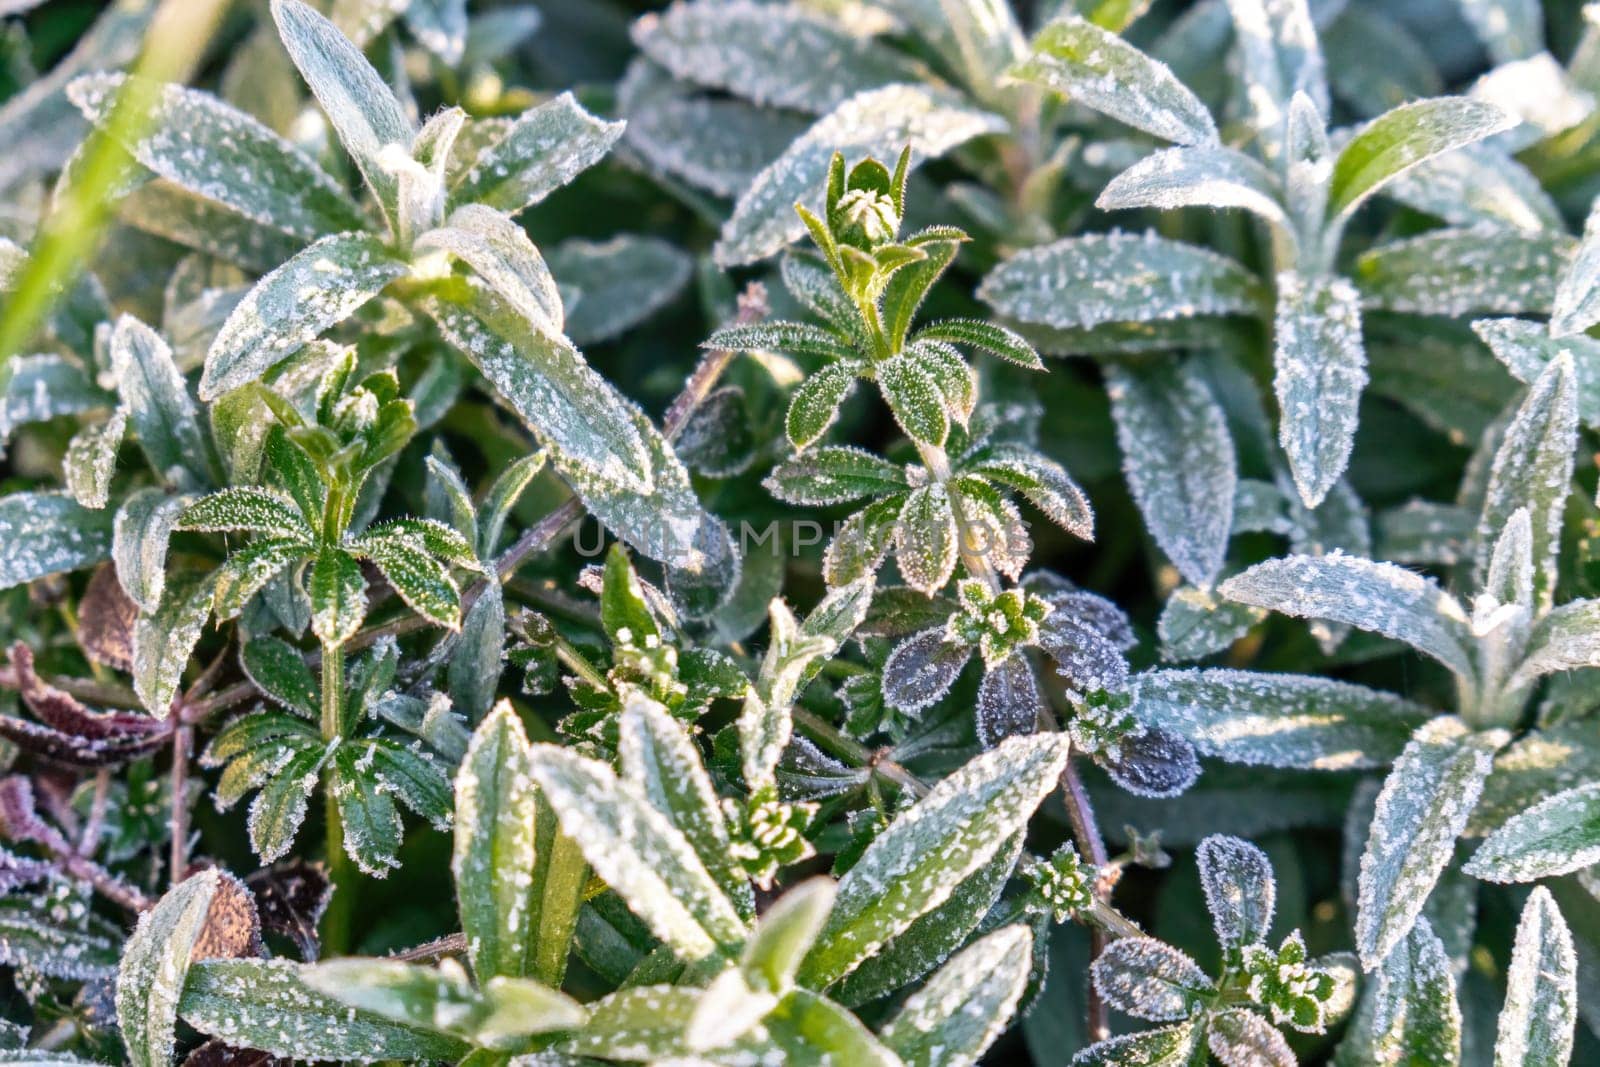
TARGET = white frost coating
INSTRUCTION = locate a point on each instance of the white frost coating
(781, 56)
(155, 963)
(1510, 29)
(1242, 1038)
(1240, 889)
(714, 143)
(502, 255)
(1422, 809)
(139, 537)
(880, 123)
(46, 533)
(1484, 268)
(617, 283)
(1566, 639)
(1196, 623)
(1533, 469)
(214, 151)
(926, 539)
(1149, 979)
(1118, 277)
(1202, 176)
(441, 26)
(319, 287)
(1478, 183)
(1179, 459)
(1539, 94)
(157, 400)
(638, 852)
(930, 849)
(1577, 301)
(1557, 836)
(1526, 348)
(543, 150)
(959, 1012)
(1415, 1016)
(1541, 1010)
(1378, 597)
(1280, 56)
(1279, 720)
(1095, 67)
(91, 460)
(1321, 368)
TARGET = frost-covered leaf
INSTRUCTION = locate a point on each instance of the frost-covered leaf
(1577, 300)
(1280, 56)
(1541, 1010)
(1321, 368)
(1511, 29)
(915, 864)
(1201, 176)
(499, 252)
(1094, 67)
(927, 539)
(915, 399)
(1532, 469)
(1196, 623)
(277, 669)
(1083, 282)
(1398, 140)
(773, 55)
(1168, 1046)
(638, 852)
(1241, 892)
(614, 285)
(921, 669)
(358, 103)
(441, 26)
(1279, 720)
(877, 123)
(43, 387)
(338, 592)
(415, 574)
(1477, 183)
(1458, 271)
(834, 474)
(979, 39)
(1179, 460)
(1149, 979)
(49, 533)
(544, 149)
(153, 392)
(475, 665)
(1526, 348)
(1241, 1038)
(164, 639)
(266, 1005)
(1152, 763)
(91, 460)
(200, 144)
(1043, 482)
(1379, 597)
(318, 288)
(1422, 809)
(1566, 639)
(155, 963)
(1558, 835)
(1416, 1018)
(247, 510)
(959, 1012)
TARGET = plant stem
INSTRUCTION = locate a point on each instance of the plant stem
(182, 740)
(1093, 847)
(874, 760)
(336, 920)
(970, 546)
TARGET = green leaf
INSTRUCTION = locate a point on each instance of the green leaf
(1398, 140)
(1541, 1011)
(1379, 597)
(421, 580)
(280, 807)
(1422, 809)
(1533, 469)
(500, 253)
(203, 145)
(624, 613)
(985, 337)
(639, 853)
(163, 641)
(544, 149)
(1279, 720)
(927, 851)
(359, 105)
(796, 338)
(317, 288)
(47, 533)
(785, 933)
(661, 761)
(247, 509)
(1241, 1036)
(613, 285)
(782, 57)
(1460, 271)
(1526, 348)
(1098, 279)
(44, 387)
(1415, 1015)
(475, 665)
(1045, 484)
(338, 596)
(834, 474)
(1203, 176)
(250, 569)
(1241, 893)
(264, 1004)
(501, 498)
(139, 537)
(372, 826)
(441, 26)
(877, 123)
(1577, 301)
(1150, 979)
(91, 460)
(1321, 368)
(155, 963)
(1279, 56)
(1556, 836)
(1168, 1046)
(278, 670)
(862, 541)
(157, 401)
(1098, 69)
(958, 1014)
(815, 404)
(1179, 460)
(927, 539)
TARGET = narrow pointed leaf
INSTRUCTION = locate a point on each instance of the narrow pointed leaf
(1541, 1010)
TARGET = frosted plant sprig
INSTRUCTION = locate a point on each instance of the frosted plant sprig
(1295, 182)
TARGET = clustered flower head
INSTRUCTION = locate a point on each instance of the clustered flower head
(1102, 720)
(1061, 886)
(768, 834)
(864, 209)
(997, 623)
(1295, 993)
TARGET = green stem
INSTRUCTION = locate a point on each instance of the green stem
(970, 542)
(336, 920)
